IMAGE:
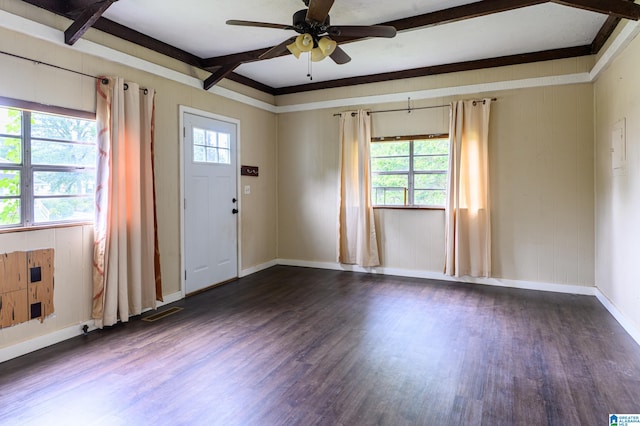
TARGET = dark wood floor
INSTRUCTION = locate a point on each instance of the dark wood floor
(301, 346)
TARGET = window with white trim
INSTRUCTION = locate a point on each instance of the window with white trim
(47, 168)
(410, 170)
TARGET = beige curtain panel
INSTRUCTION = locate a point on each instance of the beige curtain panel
(358, 244)
(125, 250)
(468, 218)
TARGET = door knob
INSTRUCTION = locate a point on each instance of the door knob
(234, 211)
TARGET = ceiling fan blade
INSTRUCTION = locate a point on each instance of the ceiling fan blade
(339, 56)
(362, 31)
(278, 50)
(318, 11)
(258, 24)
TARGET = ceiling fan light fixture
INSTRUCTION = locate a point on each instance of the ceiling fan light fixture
(293, 48)
(317, 54)
(304, 42)
(327, 45)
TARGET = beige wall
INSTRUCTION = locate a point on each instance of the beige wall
(28, 81)
(541, 158)
(542, 184)
(617, 96)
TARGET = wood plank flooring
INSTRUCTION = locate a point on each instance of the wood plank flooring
(298, 346)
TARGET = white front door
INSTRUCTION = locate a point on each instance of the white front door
(210, 202)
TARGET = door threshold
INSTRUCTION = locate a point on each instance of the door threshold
(193, 293)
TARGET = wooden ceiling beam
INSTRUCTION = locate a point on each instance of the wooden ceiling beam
(524, 58)
(135, 37)
(67, 8)
(86, 20)
(218, 75)
(605, 32)
(453, 14)
(617, 8)
(72, 9)
(460, 13)
(242, 57)
(250, 83)
(603, 35)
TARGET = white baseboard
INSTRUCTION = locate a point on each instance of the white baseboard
(629, 327)
(500, 282)
(258, 268)
(49, 339)
(170, 298)
(40, 342)
(43, 341)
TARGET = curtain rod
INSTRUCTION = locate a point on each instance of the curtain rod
(35, 61)
(408, 108)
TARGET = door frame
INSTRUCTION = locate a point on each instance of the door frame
(189, 110)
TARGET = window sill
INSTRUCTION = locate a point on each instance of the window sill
(41, 227)
(408, 207)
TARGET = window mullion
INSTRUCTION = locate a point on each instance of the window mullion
(26, 188)
(411, 185)
(56, 168)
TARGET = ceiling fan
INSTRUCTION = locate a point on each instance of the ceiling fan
(314, 28)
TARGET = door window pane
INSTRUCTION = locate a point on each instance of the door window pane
(224, 140)
(224, 156)
(211, 147)
(212, 155)
(199, 154)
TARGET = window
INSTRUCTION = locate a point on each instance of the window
(211, 147)
(47, 168)
(409, 171)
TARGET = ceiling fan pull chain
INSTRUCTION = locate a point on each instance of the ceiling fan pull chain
(309, 68)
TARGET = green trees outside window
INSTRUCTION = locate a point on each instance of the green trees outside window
(410, 172)
(47, 168)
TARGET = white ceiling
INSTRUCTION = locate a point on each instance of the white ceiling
(198, 27)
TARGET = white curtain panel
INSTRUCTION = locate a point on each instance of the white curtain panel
(124, 281)
(357, 233)
(468, 217)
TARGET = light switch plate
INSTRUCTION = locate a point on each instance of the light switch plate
(247, 189)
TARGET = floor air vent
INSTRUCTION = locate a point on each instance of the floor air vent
(160, 315)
